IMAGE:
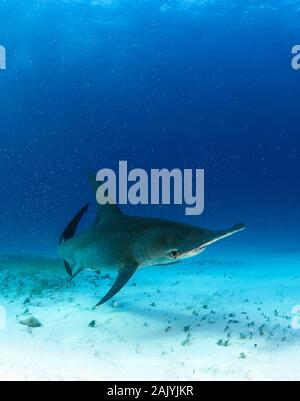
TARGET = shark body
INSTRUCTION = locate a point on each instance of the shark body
(125, 243)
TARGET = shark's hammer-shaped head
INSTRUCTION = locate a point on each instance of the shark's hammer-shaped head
(170, 243)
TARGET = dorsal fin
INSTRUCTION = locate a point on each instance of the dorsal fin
(108, 211)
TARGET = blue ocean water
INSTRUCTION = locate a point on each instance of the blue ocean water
(162, 84)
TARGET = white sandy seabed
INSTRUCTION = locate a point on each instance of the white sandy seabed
(212, 319)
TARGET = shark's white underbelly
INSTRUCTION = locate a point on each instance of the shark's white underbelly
(99, 254)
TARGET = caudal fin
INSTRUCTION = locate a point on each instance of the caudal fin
(69, 233)
(71, 228)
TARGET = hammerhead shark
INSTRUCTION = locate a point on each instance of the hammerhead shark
(126, 243)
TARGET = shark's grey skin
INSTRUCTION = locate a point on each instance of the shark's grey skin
(125, 243)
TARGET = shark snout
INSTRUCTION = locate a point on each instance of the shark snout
(198, 240)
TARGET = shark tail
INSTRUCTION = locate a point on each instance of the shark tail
(71, 228)
(70, 231)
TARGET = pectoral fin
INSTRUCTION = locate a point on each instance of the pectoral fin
(122, 279)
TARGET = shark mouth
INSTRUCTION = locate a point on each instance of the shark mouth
(216, 237)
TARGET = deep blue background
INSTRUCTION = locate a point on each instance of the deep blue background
(160, 84)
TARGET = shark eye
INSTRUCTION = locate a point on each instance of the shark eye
(175, 254)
